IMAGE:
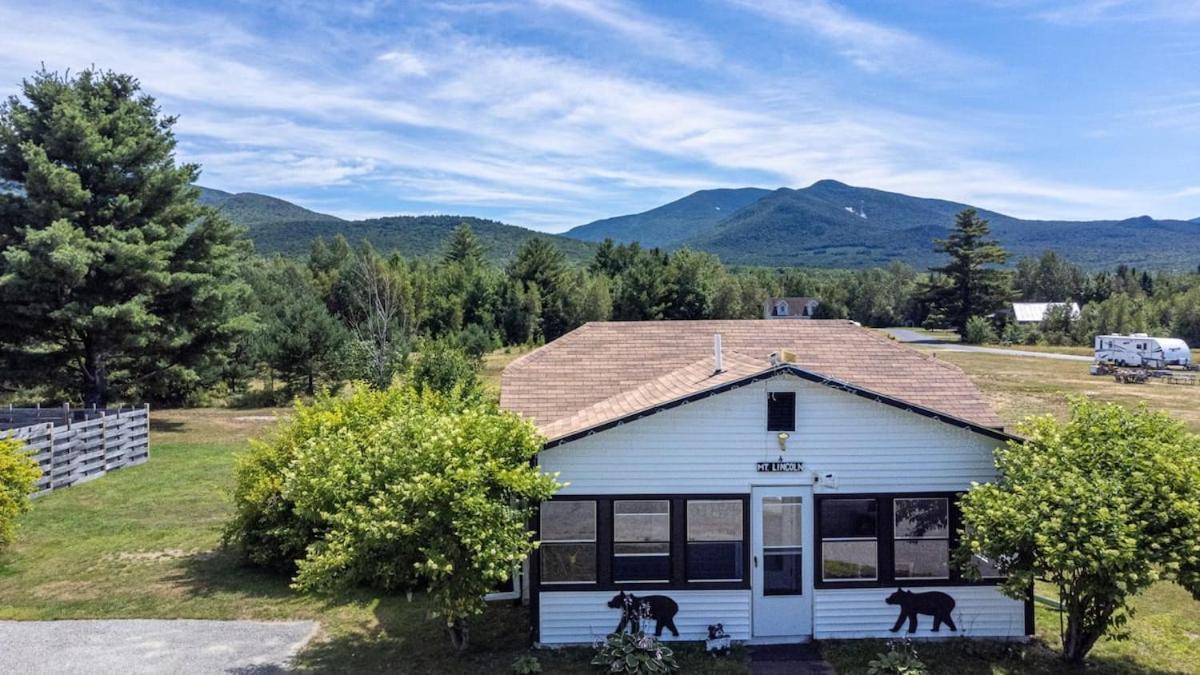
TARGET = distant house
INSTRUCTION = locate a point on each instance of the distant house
(748, 473)
(790, 308)
(1035, 312)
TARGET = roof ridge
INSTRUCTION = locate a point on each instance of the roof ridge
(540, 351)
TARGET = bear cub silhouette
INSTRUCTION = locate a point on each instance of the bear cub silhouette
(935, 604)
(634, 609)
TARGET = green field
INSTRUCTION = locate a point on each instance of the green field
(145, 543)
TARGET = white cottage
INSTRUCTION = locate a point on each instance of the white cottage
(782, 478)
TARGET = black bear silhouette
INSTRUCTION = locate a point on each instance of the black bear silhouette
(634, 610)
(935, 604)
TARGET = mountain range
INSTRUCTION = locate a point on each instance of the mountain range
(827, 224)
(831, 224)
(278, 226)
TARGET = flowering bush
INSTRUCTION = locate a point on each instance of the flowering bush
(635, 653)
(403, 489)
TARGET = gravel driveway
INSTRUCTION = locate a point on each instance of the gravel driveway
(913, 337)
(151, 646)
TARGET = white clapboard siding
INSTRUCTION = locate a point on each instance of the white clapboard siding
(711, 446)
(583, 617)
(979, 611)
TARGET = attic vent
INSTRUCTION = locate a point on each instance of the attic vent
(781, 411)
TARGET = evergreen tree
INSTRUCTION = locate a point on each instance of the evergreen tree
(464, 247)
(539, 263)
(974, 288)
(113, 279)
(642, 295)
(692, 282)
(298, 337)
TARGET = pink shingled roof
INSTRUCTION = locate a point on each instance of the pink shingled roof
(605, 371)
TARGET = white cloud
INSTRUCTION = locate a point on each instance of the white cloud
(649, 33)
(872, 47)
(405, 63)
(431, 115)
(1091, 11)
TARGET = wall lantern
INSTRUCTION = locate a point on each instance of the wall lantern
(783, 437)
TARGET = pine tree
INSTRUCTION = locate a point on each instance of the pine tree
(464, 247)
(113, 279)
(973, 288)
(298, 337)
(539, 263)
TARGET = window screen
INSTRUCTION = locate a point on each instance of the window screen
(642, 540)
(922, 537)
(849, 540)
(781, 411)
(714, 540)
(568, 548)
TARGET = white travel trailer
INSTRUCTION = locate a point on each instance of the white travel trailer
(1141, 350)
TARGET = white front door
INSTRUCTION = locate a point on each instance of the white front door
(781, 524)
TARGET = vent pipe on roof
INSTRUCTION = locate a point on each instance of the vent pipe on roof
(718, 367)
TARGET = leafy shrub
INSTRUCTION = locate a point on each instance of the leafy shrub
(1101, 507)
(18, 477)
(525, 665)
(900, 659)
(475, 340)
(1012, 334)
(402, 489)
(443, 367)
(635, 653)
(979, 331)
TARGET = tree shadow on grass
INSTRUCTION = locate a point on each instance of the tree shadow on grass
(364, 630)
(407, 639)
(161, 426)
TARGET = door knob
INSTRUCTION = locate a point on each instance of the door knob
(756, 561)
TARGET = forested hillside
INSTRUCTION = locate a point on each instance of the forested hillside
(831, 224)
(249, 208)
(672, 224)
(278, 226)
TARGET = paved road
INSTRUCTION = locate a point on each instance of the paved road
(151, 646)
(913, 337)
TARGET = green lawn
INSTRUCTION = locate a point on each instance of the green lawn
(1165, 638)
(144, 543)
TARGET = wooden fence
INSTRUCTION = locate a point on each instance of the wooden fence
(75, 446)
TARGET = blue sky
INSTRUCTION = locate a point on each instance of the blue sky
(551, 113)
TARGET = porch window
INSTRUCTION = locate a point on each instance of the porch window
(568, 535)
(641, 540)
(922, 537)
(714, 540)
(849, 540)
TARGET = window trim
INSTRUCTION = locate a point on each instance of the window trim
(604, 532)
(885, 549)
